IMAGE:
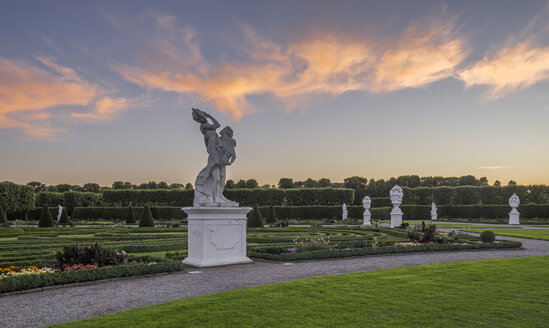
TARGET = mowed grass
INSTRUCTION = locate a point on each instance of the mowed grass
(524, 233)
(489, 293)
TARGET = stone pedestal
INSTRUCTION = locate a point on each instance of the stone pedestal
(367, 217)
(514, 216)
(217, 236)
(433, 217)
(396, 217)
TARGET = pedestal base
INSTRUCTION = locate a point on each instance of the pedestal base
(217, 236)
(433, 217)
(367, 217)
(514, 217)
(396, 217)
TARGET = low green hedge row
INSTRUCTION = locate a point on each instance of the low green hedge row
(335, 253)
(121, 213)
(23, 282)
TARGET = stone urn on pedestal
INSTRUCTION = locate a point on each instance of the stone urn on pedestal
(434, 209)
(514, 202)
(366, 202)
(396, 195)
(217, 225)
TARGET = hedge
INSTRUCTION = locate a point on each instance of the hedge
(121, 213)
(335, 253)
(17, 283)
(245, 197)
(14, 197)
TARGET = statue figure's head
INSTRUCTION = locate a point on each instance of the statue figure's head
(227, 131)
(199, 116)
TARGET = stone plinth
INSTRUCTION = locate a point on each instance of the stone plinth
(514, 216)
(367, 217)
(396, 217)
(217, 236)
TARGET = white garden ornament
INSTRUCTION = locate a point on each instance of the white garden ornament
(366, 202)
(396, 195)
(514, 202)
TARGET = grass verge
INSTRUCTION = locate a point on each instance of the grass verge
(523, 233)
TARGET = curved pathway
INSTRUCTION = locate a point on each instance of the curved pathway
(73, 302)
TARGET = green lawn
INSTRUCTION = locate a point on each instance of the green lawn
(441, 224)
(524, 233)
(490, 293)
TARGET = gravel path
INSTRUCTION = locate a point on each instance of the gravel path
(73, 302)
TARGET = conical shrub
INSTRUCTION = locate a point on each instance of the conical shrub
(3, 218)
(130, 219)
(271, 216)
(146, 219)
(64, 219)
(45, 218)
(255, 220)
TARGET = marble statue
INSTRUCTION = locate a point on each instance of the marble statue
(210, 182)
(366, 202)
(514, 202)
(433, 211)
(396, 195)
(344, 211)
(59, 214)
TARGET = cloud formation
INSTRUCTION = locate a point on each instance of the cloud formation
(427, 51)
(512, 68)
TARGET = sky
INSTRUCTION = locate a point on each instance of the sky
(100, 91)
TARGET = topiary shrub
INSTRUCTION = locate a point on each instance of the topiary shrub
(45, 218)
(271, 216)
(146, 219)
(64, 219)
(254, 219)
(131, 218)
(487, 236)
(3, 218)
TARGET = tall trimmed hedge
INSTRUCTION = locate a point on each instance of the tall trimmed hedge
(245, 197)
(45, 218)
(48, 198)
(146, 218)
(122, 213)
(14, 197)
(255, 219)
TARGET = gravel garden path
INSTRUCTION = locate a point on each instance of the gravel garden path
(39, 308)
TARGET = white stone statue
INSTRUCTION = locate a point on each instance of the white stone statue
(60, 211)
(433, 211)
(210, 182)
(514, 202)
(396, 195)
(366, 202)
(344, 211)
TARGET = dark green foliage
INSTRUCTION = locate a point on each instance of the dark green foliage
(254, 219)
(64, 219)
(48, 198)
(49, 279)
(130, 219)
(271, 216)
(122, 213)
(45, 218)
(487, 236)
(3, 218)
(146, 218)
(428, 233)
(88, 255)
(14, 197)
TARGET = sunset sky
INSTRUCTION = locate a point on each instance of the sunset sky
(99, 91)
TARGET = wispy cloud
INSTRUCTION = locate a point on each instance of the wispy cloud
(328, 63)
(105, 109)
(496, 167)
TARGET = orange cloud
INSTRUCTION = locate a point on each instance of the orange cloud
(105, 109)
(329, 64)
(510, 69)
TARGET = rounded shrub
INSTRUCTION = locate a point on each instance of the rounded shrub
(255, 220)
(45, 218)
(131, 217)
(487, 236)
(146, 219)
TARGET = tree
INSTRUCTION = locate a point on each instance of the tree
(14, 197)
(179, 186)
(3, 218)
(324, 183)
(252, 183)
(64, 187)
(130, 219)
(286, 183)
(355, 182)
(497, 183)
(189, 186)
(118, 185)
(162, 185)
(229, 184)
(240, 184)
(255, 220)
(271, 216)
(467, 180)
(91, 187)
(146, 218)
(310, 183)
(45, 218)
(511, 183)
(37, 186)
(412, 181)
(64, 219)
(483, 181)
(52, 189)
